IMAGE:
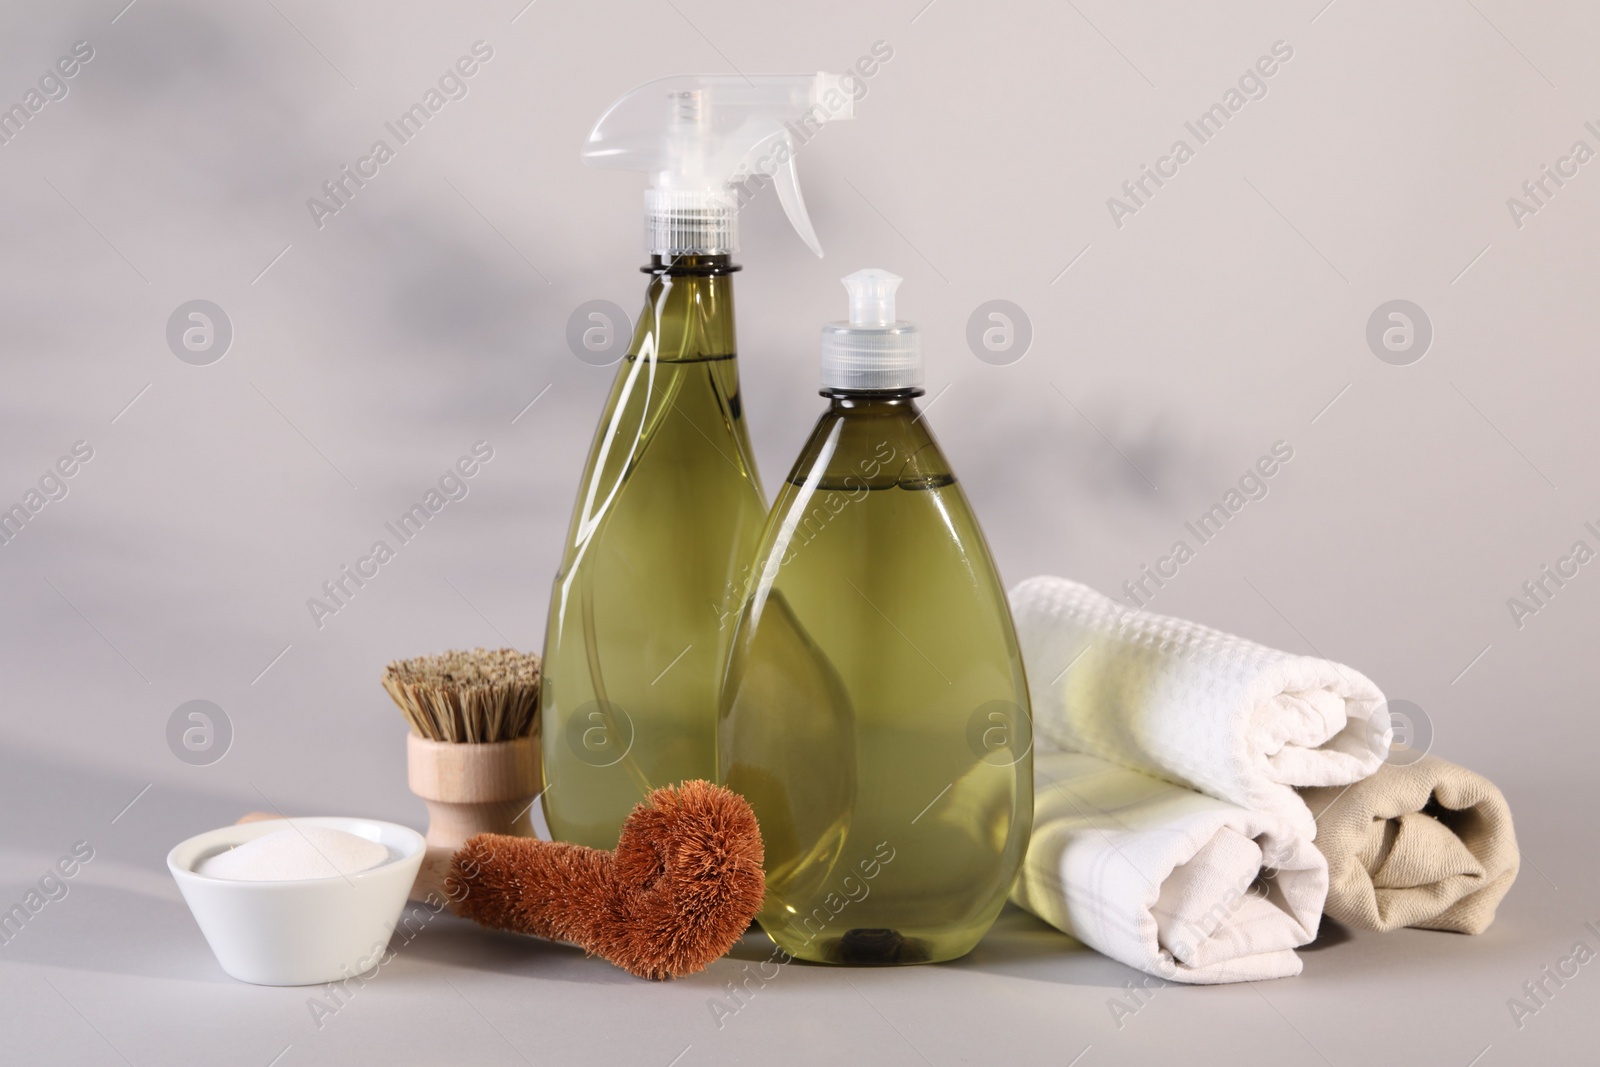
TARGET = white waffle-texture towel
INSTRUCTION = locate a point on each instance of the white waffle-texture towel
(1240, 721)
(1175, 883)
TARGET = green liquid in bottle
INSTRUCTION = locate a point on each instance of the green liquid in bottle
(875, 709)
(668, 516)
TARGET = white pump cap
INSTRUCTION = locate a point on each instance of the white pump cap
(874, 350)
(711, 141)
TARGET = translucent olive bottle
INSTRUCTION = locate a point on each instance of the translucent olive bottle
(667, 519)
(875, 712)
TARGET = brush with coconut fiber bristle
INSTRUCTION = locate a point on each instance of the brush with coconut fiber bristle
(472, 754)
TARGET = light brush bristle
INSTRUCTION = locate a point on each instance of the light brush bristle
(467, 697)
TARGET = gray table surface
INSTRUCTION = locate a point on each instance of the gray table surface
(118, 972)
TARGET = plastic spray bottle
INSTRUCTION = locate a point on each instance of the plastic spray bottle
(670, 506)
(875, 712)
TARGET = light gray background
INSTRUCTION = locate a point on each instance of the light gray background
(1227, 314)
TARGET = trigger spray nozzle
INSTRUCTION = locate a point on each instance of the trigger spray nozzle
(708, 141)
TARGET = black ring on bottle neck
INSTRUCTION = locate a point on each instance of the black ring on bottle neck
(709, 266)
(872, 394)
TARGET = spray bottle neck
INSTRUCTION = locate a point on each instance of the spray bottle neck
(873, 403)
(688, 311)
(690, 265)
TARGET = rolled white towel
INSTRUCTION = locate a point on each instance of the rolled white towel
(1218, 713)
(1177, 884)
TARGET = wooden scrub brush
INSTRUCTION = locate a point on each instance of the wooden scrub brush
(472, 754)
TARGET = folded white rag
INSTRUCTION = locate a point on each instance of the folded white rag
(1240, 721)
(1179, 885)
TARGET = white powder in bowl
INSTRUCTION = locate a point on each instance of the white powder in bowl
(298, 852)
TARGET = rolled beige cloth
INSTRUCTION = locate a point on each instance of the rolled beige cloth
(1426, 844)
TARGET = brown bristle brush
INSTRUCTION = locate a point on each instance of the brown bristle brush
(472, 755)
(682, 886)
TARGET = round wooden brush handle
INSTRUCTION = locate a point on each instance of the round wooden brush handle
(470, 789)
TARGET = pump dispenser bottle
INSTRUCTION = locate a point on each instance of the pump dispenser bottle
(670, 506)
(874, 711)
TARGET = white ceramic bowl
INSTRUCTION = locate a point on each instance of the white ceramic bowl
(303, 932)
